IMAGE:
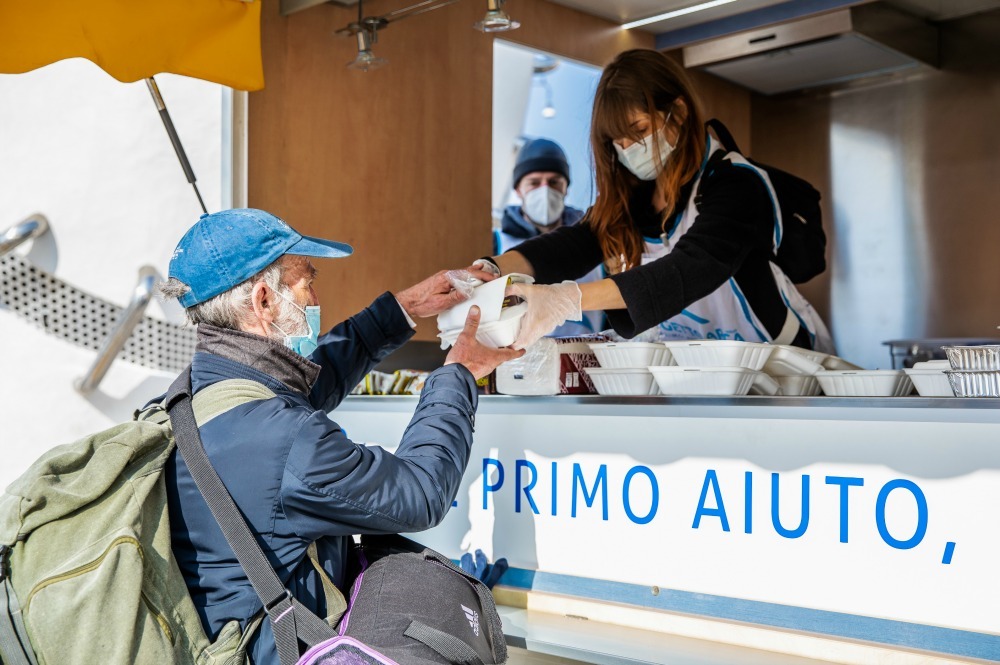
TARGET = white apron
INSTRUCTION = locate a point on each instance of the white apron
(725, 313)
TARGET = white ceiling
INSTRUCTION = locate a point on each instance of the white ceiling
(623, 11)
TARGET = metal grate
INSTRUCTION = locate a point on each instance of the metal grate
(68, 313)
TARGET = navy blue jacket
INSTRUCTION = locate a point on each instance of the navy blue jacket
(297, 477)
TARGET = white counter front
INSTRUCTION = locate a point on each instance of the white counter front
(864, 519)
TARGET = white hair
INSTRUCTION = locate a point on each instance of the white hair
(234, 308)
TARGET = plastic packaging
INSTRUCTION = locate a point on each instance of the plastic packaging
(623, 381)
(980, 358)
(718, 381)
(974, 383)
(550, 366)
(629, 355)
(865, 383)
(720, 353)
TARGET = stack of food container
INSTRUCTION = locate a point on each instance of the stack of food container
(930, 378)
(794, 370)
(975, 370)
(716, 367)
(626, 367)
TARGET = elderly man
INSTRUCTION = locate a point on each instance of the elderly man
(245, 277)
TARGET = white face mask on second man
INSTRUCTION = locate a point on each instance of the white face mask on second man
(640, 157)
(544, 205)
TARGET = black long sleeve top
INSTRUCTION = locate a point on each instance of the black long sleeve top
(731, 237)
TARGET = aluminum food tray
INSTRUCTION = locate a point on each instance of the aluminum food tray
(978, 358)
(974, 383)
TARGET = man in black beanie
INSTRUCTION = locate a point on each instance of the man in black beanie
(541, 178)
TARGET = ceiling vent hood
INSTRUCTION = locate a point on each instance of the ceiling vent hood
(819, 50)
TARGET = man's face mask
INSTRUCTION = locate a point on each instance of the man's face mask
(304, 345)
(544, 205)
(640, 157)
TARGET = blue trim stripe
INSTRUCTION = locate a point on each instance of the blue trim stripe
(655, 241)
(746, 309)
(694, 317)
(952, 641)
(774, 203)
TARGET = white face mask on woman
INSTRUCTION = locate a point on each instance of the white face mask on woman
(640, 157)
(544, 205)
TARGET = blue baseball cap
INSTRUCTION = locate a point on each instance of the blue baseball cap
(226, 248)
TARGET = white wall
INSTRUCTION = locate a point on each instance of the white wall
(91, 154)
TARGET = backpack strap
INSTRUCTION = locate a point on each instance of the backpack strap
(290, 620)
(723, 134)
(15, 648)
(448, 646)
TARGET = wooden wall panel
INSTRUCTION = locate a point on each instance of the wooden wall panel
(397, 161)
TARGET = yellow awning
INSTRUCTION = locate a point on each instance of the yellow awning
(215, 40)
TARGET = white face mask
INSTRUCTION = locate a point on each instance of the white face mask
(640, 157)
(544, 205)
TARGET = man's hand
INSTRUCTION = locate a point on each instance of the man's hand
(440, 292)
(477, 358)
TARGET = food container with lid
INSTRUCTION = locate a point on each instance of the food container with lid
(623, 381)
(929, 378)
(836, 363)
(716, 381)
(490, 297)
(986, 357)
(789, 361)
(626, 355)
(865, 383)
(496, 334)
(764, 384)
(720, 353)
(974, 383)
(799, 386)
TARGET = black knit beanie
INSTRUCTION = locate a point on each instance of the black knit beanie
(540, 155)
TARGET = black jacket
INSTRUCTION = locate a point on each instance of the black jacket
(731, 237)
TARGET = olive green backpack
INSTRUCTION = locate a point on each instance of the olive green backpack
(87, 574)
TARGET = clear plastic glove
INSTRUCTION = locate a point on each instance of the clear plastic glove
(488, 266)
(549, 306)
(463, 281)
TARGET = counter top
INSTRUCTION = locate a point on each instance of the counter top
(947, 409)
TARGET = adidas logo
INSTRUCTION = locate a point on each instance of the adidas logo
(473, 617)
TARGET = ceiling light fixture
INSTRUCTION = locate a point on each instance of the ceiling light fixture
(496, 19)
(366, 60)
(366, 30)
(674, 14)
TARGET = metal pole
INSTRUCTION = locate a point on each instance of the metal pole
(168, 124)
(31, 228)
(115, 341)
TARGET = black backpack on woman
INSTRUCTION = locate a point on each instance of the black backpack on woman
(802, 252)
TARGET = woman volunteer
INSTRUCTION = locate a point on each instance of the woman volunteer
(686, 231)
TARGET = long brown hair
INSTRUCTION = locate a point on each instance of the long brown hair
(649, 82)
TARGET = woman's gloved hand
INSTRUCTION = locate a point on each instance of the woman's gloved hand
(486, 265)
(549, 306)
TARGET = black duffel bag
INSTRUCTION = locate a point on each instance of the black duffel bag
(412, 606)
